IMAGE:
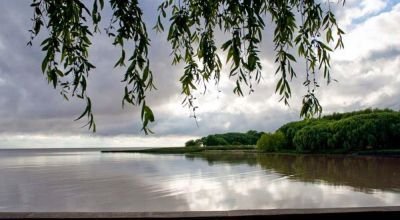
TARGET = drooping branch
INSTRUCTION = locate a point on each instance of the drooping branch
(191, 33)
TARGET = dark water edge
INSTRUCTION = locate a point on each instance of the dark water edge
(386, 212)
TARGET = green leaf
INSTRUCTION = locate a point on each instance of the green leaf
(83, 114)
(291, 57)
(191, 34)
(45, 62)
(148, 114)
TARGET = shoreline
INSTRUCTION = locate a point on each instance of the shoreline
(252, 150)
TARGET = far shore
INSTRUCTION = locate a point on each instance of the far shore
(251, 149)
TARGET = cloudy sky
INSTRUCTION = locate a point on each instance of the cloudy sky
(33, 114)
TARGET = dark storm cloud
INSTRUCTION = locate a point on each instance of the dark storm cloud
(389, 53)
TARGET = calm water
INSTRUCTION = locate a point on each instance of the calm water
(91, 181)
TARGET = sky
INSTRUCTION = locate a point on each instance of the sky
(33, 114)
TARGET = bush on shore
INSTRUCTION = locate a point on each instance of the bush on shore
(271, 142)
(363, 130)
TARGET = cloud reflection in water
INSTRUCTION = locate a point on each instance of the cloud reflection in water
(91, 181)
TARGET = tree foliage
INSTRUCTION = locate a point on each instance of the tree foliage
(308, 27)
(360, 130)
(193, 143)
(231, 138)
(271, 142)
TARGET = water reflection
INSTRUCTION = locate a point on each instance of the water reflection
(90, 181)
(362, 173)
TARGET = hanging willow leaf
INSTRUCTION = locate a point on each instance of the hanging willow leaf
(191, 33)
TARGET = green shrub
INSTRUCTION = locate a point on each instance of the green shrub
(271, 142)
(232, 138)
(312, 138)
(190, 143)
(369, 130)
(193, 143)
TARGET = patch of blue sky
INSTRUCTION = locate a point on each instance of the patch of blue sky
(390, 4)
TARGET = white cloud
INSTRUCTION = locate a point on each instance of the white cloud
(355, 9)
(379, 32)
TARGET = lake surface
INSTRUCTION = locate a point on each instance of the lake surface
(77, 180)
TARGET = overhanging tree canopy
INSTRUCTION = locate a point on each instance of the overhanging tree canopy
(307, 26)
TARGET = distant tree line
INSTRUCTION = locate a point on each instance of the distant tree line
(231, 138)
(358, 130)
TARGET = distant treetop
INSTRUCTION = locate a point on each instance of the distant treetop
(231, 138)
